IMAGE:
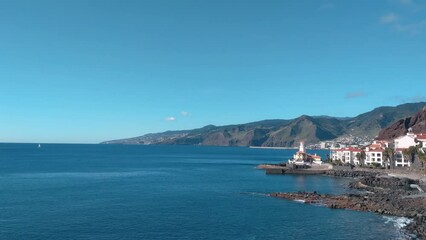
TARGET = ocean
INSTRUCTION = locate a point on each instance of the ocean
(71, 191)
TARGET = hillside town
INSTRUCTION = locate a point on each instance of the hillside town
(341, 142)
(388, 171)
(395, 153)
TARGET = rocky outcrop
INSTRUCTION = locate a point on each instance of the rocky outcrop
(418, 226)
(416, 122)
(390, 196)
(350, 173)
(388, 182)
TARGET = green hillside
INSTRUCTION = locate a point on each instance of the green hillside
(280, 132)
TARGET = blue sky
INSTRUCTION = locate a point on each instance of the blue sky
(88, 71)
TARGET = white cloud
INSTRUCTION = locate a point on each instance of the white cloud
(389, 18)
(405, 2)
(415, 98)
(394, 22)
(326, 6)
(414, 6)
(170, 119)
(354, 94)
(184, 113)
(419, 98)
(413, 28)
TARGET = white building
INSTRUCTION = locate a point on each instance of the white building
(400, 160)
(346, 155)
(406, 141)
(374, 153)
(302, 157)
(421, 138)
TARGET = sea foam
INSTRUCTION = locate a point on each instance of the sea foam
(399, 222)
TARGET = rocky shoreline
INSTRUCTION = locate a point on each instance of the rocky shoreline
(377, 193)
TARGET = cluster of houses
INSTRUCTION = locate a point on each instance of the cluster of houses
(374, 152)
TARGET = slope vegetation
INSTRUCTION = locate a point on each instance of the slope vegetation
(282, 133)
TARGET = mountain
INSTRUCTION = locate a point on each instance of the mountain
(372, 122)
(280, 132)
(417, 123)
(308, 129)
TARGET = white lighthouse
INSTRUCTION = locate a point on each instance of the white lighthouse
(302, 147)
(303, 158)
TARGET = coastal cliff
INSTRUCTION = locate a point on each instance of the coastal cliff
(281, 132)
(417, 123)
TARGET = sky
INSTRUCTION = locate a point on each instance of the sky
(85, 71)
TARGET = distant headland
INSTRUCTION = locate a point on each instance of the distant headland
(287, 133)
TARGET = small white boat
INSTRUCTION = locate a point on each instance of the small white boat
(39, 145)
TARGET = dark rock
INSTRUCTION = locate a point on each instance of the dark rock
(390, 196)
(417, 122)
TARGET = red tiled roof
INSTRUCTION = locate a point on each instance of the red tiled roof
(354, 149)
(375, 146)
(421, 136)
(376, 150)
(350, 149)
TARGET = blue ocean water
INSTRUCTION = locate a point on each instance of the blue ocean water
(64, 191)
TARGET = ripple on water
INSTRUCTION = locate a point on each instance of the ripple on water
(86, 174)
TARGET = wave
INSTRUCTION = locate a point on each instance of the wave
(254, 194)
(400, 223)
